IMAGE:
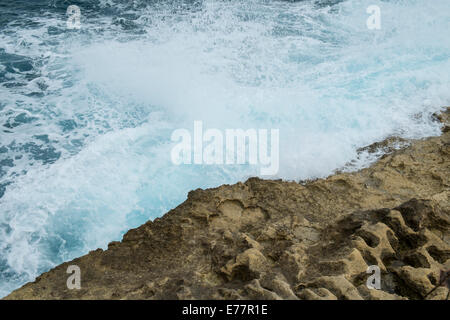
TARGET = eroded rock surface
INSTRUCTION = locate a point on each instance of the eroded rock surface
(284, 240)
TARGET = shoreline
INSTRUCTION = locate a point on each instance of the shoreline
(273, 239)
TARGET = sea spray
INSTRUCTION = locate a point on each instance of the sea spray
(87, 114)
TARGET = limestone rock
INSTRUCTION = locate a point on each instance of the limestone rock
(267, 239)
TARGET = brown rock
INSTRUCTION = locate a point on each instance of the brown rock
(285, 240)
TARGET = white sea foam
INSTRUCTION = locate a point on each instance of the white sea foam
(111, 100)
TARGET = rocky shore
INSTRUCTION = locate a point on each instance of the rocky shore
(267, 239)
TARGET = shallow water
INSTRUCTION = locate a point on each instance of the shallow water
(86, 115)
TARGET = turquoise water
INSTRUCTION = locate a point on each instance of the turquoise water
(86, 115)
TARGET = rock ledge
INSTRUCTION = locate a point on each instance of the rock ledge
(283, 240)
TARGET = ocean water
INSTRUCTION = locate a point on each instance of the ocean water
(86, 115)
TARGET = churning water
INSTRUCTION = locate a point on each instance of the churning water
(86, 115)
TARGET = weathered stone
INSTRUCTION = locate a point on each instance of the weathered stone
(267, 239)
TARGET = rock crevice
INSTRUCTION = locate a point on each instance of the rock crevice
(284, 240)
